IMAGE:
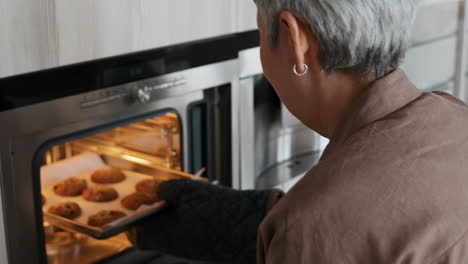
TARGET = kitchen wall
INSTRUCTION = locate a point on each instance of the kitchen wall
(38, 34)
(431, 62)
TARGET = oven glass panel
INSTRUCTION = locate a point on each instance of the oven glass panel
(149, 149)
(154, 141)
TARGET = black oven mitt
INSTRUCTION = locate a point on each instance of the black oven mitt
(205, 222)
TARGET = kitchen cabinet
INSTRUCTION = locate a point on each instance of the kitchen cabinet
(26, 36)
(39, 34)
(246, 15)
(89, 29)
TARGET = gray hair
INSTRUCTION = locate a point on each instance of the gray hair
(358, 36)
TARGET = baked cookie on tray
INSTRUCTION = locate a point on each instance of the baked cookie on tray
(100, 194)
(108, 175)
(148, 186)
(70, 210)
(104, 217)
(70, 187)
(137, 199)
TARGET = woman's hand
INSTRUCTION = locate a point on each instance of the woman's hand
(205, 222)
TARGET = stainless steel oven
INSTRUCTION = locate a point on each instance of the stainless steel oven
(276, 148)
(164, 113)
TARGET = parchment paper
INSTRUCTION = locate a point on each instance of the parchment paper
(82, 167)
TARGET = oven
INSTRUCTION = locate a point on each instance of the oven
(161, 114)
(276, 148)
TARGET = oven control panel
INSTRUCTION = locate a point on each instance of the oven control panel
(141, 92)
(103, 97)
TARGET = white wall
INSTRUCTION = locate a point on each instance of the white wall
(431, 62)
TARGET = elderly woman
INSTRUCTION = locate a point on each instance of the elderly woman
(392, 185)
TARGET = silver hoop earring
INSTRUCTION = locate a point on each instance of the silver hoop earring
(306, 69)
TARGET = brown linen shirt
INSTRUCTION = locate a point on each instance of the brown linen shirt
(391, 187)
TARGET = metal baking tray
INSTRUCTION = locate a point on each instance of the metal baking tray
(105, 231)
(82, 166)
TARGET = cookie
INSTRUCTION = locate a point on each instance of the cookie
(70, 187)
(61, 238)
(100, 194)
(108, 175)
(148, 186)
(137, 199)
(104, 217)
(70, 210)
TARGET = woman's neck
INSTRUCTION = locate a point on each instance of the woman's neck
(339, 90)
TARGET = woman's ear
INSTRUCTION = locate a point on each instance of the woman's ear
(298, 37)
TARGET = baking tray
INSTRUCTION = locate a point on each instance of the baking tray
(82, 166)
(106, 231)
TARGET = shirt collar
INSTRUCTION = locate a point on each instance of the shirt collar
(385, 96)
